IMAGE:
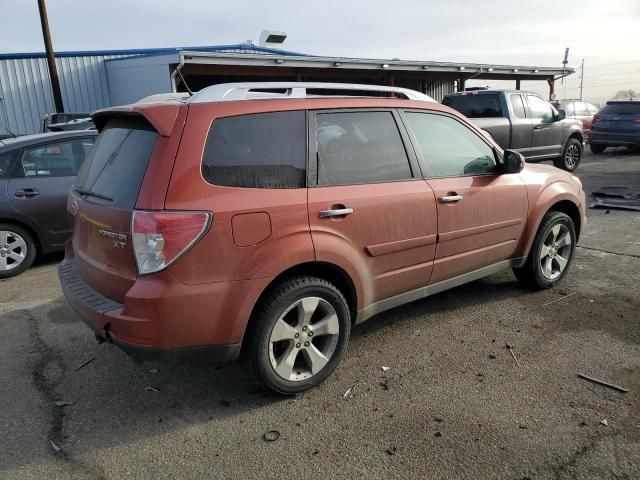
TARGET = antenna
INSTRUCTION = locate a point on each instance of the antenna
(565, 61)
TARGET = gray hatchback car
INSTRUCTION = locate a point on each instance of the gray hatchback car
(36, 172)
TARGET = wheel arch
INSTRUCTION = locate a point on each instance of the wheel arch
(556, 197)
(28, 228)
(577, 135)
(327, 271)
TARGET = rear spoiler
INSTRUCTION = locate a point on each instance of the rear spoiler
(162, 116)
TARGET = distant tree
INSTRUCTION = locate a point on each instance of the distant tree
(626, 94)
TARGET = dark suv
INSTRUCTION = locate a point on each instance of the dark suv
(616, 125)
(265, 219)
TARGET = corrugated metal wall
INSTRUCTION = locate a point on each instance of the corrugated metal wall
(25, 89)
(437, 89)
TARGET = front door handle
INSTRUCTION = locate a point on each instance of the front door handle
(26, 192)
(338, 212)
(450, 198)
(539, 127)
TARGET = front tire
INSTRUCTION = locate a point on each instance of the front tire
(571, 155)
(298, 335)
(551, 253)
(17, 250)
(596, 147)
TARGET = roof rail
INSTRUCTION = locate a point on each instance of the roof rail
(163, 97)
(245, 91)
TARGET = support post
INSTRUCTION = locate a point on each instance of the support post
(51, 59)
(517, 84)
(551, 81)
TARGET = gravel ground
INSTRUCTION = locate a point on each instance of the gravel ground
(454, 404)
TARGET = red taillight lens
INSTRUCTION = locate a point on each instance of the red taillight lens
(159, 238)
(596, 118)
(637, 119)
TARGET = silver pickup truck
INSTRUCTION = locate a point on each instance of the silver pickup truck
(523, 121)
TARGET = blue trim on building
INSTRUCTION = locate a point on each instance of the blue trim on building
(151, 51)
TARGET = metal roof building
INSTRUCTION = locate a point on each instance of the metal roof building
(97, 79)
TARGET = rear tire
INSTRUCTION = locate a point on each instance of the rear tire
(551, 254)
(17, 250)
(571, 155)
(298, 335)
(597, 148)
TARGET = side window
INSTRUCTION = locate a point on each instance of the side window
(360, 147)
(449, 148)
(540, 109)
(569, 109)
(592, 109)
(264, 150)
(60, 159)
(581, 108)
(518, 106)
(6, 162)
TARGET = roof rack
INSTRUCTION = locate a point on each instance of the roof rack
(246, 91)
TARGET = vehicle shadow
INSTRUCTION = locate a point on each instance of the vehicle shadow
(117, 401)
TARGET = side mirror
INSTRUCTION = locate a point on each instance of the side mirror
(561, 115)
(512, 162)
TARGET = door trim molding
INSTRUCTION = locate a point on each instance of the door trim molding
(399, 245)
(428, 290)
(465, 232)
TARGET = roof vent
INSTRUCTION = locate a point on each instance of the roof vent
(272, 39)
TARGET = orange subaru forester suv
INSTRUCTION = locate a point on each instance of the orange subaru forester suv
(267, 219)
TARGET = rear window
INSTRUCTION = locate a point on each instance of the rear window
(265, 150)
(116, 166)
(621, 108)
(476, 105)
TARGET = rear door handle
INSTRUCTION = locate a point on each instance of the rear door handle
(539, 127)
(338, 212)
(450, 198)
(26, 192)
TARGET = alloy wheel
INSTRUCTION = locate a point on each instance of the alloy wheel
(572, 156)
(13, 250)
(555, 252)
(303, 339)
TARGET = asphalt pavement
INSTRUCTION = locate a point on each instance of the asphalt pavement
(454, 403)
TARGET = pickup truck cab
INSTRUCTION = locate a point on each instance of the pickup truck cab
(523, 121)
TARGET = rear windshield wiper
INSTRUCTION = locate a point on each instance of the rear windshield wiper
(89, 193)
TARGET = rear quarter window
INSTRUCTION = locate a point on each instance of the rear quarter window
(264, 150)
(476, 105)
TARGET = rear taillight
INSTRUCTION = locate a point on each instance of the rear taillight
(636, 119)
(161, 237)
(596, 118)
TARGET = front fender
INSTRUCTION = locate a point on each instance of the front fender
(540, 203)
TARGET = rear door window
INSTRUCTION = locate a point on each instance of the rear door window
(484, 105)
(265, 150)
(6, 162)
(118, 161)
(581, 108)
(58, 159)
(518, 106)
(360, 147)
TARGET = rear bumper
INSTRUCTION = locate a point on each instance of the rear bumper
(615, 139)
(161, 319)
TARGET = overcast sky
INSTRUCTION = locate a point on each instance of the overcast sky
(606, 33)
